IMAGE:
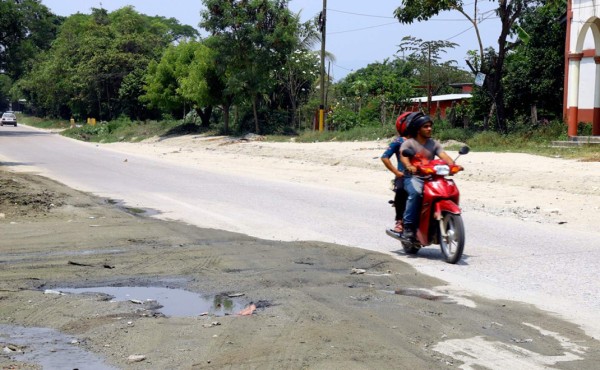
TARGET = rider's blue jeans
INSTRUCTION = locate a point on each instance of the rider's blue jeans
(414, 187)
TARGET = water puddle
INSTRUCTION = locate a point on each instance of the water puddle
(133, 210)
(438, 295)
(174, 302)
(420, 293)
(48, 348)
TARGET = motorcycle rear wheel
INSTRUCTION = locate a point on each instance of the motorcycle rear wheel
(452, 237)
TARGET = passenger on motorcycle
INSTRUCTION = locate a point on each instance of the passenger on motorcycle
(394, 150)
(419, 129)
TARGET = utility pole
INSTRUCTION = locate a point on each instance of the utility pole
(322, 24)
(429, 78)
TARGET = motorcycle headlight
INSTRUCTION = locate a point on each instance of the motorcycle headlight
(442, 169)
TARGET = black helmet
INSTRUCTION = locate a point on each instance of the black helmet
(414, 122)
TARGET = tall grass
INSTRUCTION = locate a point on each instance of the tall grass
(45, 123)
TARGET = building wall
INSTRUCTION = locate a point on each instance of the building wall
(586, 90)
(582, 61)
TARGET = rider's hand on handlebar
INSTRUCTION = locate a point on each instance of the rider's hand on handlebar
(412, 169)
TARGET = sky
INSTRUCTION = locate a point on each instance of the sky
(358, 32)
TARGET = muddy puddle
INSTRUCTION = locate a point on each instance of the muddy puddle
(172, 302)
(147, 212)
(48, 348)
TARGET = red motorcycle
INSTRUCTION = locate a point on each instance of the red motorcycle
(440, 221)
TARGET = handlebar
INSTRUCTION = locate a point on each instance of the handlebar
(438, 167)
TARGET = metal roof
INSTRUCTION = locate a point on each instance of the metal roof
(423, 99)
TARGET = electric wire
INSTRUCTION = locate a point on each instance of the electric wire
(391, 23)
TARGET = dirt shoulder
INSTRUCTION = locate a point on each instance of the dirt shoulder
(318, 305)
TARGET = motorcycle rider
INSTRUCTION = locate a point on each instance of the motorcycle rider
(394, 150)
(419, 129)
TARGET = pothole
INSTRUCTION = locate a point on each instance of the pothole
(48, 348)
(172, 302)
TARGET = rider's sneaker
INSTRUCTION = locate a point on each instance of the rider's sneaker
(409, 235)
(398, 227)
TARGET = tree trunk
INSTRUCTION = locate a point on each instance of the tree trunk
(204, 115)
(486, 122)
(254, 110)
(534, 115)
(293, 103)
(500, 113)
(226, 117)
(382, 112)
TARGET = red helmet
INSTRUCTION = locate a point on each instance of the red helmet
(401, 123)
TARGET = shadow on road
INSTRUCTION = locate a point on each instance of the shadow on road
(14, 164)
(430, 253)
(16, 132)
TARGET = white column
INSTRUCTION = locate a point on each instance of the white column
(573, 98)
(597, 84)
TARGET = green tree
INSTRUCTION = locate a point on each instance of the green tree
(185, 76)
(535, 71)
(163, 78)
(5, 86)
(27, 28)
(252, 40)
(204, 86)
(426, 58)
(301, 70)
(373, 93)
(95, 66)
(508, 12)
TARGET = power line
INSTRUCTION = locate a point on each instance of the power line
(387, 24)
(388, 17)
(359, 14)
(344, 68)
(481, 14)
(362, 29)
(460, 33)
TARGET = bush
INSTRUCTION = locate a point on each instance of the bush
(342, 119)
(458, 134)
(353, 134)
(584, 129)
(121, 129)
(487, 140)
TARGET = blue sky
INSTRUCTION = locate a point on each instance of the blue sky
(358, 32)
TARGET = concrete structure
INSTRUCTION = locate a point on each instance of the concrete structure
(582, 65)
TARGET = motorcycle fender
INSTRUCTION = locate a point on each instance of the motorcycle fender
(445, 206)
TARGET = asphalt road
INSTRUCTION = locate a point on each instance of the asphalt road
(541, 264)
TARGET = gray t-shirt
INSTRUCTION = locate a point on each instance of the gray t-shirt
(424, 152)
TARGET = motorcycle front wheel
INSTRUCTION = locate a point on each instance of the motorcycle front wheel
(452, 237)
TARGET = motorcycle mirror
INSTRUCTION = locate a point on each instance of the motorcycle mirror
(462, 151)
(408, 153)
